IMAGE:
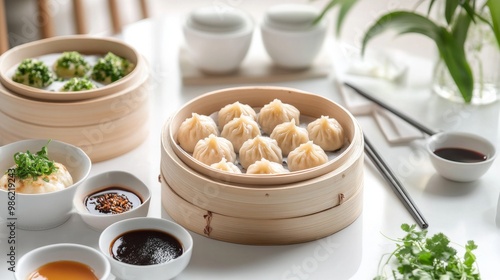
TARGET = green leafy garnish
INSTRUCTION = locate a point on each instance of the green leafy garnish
(33, 165)
(419, 257)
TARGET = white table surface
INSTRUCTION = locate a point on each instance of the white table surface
(463, 211)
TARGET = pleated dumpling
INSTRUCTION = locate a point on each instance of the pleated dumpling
(194, 129)
(264, 166)
(276, 112)
(289, 136)
(240, 130)
(257, 148)
(227, 166)
(306, 156)
(234, 110)
(213, 149)
(327, 133)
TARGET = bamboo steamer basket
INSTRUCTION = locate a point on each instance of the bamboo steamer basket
(310, 105)
(263, 209)
(101, 126)
(258, 202)
(258, 231)
(82, 43)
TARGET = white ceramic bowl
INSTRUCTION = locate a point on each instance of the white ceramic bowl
(218, 40)
(102, 181)
(290, 37)
(36, 258)
(460, 171)
(47, 210)
(165, 270)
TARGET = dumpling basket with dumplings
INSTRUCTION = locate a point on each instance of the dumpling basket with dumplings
(99, 121)
(258, 209)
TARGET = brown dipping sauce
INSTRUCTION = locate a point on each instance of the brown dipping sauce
(112, 200)
(145, 247)
(63, 270)
(460, 155)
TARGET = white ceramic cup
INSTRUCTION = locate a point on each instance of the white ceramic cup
(100, 182)
(460, 171)
(36, 258)
(218, 40)
(290, 37)
(165, 270)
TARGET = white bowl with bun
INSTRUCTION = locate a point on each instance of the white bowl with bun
(38, 211)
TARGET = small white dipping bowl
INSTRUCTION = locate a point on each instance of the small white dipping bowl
(290, 37)
(218, 40)
(36, 258)
(161, 271)
(45, 210)
(120, 179)
(460, 171)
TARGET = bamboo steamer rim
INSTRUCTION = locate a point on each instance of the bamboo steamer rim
(210, 104)
(80, 43)
(226, 186)
(261, 232)
(73, 113)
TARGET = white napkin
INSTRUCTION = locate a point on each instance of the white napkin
(377, 65)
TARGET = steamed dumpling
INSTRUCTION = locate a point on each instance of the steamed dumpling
(257, 148)
(227, 166)
(305, 156)
(289, 136)
(234, 110)
(240, 130)
(264, 166)
(71, 64)
(213, 149)
(327, 133)
(276, 112)
(194, 129)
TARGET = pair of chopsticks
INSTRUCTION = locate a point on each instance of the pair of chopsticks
(385, 170)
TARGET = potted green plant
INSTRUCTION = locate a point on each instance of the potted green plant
(449, 31)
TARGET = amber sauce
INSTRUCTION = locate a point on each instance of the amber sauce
(145, 247)
(460, 155)
(63, 270)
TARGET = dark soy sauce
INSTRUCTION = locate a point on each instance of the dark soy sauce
(460, 155)
(146, 247)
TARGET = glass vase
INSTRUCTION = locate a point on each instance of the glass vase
(483, 55)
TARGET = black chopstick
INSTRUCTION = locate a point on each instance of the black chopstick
(392, 110)
(396, 185)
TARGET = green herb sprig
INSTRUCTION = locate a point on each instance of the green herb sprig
(33, 165)
(418, 257)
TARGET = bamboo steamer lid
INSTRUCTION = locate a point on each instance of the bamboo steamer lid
(261, 231)
(309, 104)
(84, 44)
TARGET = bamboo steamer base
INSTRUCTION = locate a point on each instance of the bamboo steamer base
(261, 231)
(97, 151)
